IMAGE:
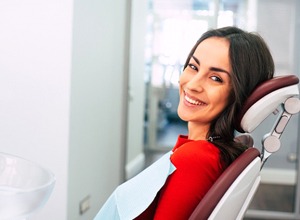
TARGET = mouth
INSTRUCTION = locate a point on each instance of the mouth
(193, 101)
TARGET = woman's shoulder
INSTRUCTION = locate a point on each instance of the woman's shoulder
(200, 151)
(197, 146)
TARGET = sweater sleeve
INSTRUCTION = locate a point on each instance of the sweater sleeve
(197, 168)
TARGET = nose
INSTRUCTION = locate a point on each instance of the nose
(196, 83)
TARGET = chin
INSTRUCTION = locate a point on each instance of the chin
(182, 116)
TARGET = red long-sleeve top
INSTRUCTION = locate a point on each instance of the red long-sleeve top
(197, 168)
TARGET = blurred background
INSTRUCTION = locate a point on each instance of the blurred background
(89, 90)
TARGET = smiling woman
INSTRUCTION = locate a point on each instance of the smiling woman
(221, 71)
(250, 63)
(205, 86)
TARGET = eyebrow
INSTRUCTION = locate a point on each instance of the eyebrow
(212, 68)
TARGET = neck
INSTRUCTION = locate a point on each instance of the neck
(197, 131)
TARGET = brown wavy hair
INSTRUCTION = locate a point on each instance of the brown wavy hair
(251, 64)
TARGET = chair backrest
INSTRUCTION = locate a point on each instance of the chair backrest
(232, 193)
(207, 206)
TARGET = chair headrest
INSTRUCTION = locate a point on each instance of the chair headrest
(264, 100)
(245, 139)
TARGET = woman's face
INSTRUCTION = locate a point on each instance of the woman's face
(205, 83)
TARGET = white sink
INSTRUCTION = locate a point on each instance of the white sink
(25, 187)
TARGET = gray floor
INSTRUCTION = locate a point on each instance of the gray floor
(279, 198)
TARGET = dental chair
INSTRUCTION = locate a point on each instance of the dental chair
(232, 193)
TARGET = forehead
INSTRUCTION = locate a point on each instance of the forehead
(214, 51)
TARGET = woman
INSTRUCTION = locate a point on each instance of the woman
(221, 71)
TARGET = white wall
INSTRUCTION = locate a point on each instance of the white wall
(35, 61)
(98, 97)
(135, 158)
(62, 95)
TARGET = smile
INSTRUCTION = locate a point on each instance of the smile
(192, 101)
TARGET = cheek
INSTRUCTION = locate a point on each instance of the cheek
(181, 82)
(224, 97)
(219, 96)
(184, 78)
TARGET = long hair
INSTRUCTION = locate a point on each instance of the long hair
(251, 64)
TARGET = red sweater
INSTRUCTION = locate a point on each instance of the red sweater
(197, 168)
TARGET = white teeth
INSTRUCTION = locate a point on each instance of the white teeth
(192, 101)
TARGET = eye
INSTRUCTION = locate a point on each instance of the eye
(216, 78)
(192, 66)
